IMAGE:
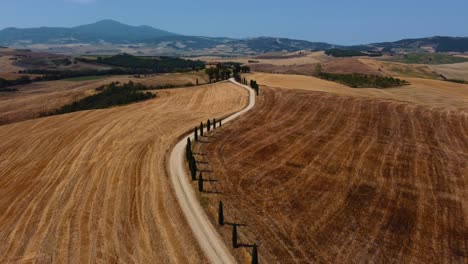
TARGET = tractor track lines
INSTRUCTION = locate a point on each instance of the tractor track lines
(352, 178)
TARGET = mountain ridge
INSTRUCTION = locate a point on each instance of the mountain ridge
(117, 33)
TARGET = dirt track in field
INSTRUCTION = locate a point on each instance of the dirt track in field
(92, 186)
(325, 178)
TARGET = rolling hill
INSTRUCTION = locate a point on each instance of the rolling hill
(103, 31)
(109, 34)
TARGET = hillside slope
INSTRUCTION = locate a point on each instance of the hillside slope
(316, 177)
(92, 186)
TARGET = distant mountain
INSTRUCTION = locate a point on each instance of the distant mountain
(265, 44)
(438, 44)
(112, 36)
(109, 31)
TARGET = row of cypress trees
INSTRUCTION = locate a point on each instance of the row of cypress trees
(209, 124)
(235, 243)
(253, 84)
(193, 172)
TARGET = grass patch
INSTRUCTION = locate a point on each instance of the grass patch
(428, 58)
(114, 94)
(84, 78)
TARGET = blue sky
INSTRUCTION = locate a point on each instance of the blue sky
(338, 22)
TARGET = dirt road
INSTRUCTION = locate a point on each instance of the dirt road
(206, 235)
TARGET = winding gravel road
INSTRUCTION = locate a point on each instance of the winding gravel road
(210, 241)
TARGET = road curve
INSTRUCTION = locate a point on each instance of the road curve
(208, 238)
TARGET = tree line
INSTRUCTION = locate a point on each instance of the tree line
(4, 83)
(363, 80)
(351, 53)
(253, 84)
(224, 71)
(161, 64)
(192, 164)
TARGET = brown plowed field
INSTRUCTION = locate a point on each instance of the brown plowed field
(325, 178)
(91, 186)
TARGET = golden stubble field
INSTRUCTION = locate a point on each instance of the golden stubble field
(287, 59)
(91, 186)
(433, 93)
(33, 99)
(317, 177)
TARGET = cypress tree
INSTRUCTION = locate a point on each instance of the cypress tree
(196, 133)
(201, 129)
(234, 236)
(254, 254)
(208, 125)
(197, 81)
(214, 123)
(220, 123)
(220, 213)
(189, 160)
(188, 149)
(200, 182)
(193, 168)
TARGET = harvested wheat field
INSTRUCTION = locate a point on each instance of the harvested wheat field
(433, 93)
(91, 186)
(349, 66)
(31, 100)
(282, 58)
(7, 63)
(457, 71)
(321, 178)
(402, 69)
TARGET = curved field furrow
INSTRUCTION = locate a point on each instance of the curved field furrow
(92, 187)
(340, 179)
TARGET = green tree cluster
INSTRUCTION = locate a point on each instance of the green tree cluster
(363, 81)
(114, 94)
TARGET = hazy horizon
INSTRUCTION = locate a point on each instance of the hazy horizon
(359, 22)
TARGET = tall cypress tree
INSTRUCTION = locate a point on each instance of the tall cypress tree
(214, 123)
(189, 143)
(196, 133)
(189, 160)
(188, 149)
(201, 129)
(208, 125)
(193, 168)
(234, 236)
(254, 254)
(200, 182)
(220, 123)
(220, 213)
